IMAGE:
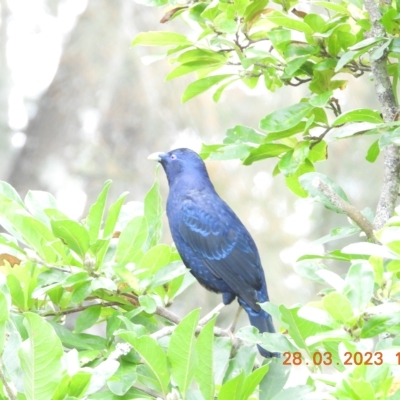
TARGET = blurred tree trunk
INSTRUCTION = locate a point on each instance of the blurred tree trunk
(102, 113)
(5, 85)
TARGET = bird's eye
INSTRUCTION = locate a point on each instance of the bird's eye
(173, 157)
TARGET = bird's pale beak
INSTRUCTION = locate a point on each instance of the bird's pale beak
(156, 156)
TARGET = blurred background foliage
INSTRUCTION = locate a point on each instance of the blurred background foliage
(78, 107)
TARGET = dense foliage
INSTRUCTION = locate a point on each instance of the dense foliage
(111, 270)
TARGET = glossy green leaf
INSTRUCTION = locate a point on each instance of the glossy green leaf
(360, 285)
(307, 269)
(87, 318)
(253, 380)
(153, 212)
(182, 352)
(112, 216)
(40, 358)
(333, 6)
(37, 201)
(232, 389)
(359, 115)
(285, 118)
(73, 234)
(298, 328)
(338, 306)
(131, 241)
(152, 354)
(291, 23)
(193, 66)
(160, 39)
(243, 134)
(201, 85)
(123, 379)
(204, 373)
(95, 217)
(79, 384)
(373, 152)
(266, 150)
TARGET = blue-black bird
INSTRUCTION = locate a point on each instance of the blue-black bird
(211, 240)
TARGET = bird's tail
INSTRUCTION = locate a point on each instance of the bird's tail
(263, 322)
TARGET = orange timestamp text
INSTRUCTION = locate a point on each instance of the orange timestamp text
(325, 358)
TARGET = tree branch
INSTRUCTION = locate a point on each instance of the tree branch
(387, 101)
(10, 392)
(347, 208)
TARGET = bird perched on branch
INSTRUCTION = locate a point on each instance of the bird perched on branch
(211, 240)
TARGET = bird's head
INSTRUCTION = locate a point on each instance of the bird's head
(180, 162)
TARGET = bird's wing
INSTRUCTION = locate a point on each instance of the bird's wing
(217, 237)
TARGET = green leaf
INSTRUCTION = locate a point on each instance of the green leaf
(73, 234)
(101, 373)
(182, 352)
(353, 129)
(338, 306)
(299, 329)
(281, 19)
(160, 39)
(231, 152)
(359, 115)
(333, 6)
(222, 352)
(319, 152)
(292, 181)
(232, 390)
(87, 318)
(8, 191)
(267, 150)
(370, 249)
(340, 232)
(274, 382)
(243, 134)
(79, 341)
(37, 201)
(360, 285)
(204, 373)
(307, 269)
(79, 384)
(201, 85)
(153, 212)
(193, 66)
(373, 152)
(312, 312)
(285, 118)
(131, 241)
(152, 354)
(148, 303)
(253, 380)
(123, 379)
(40, 358)
(112, 216)
(95, 217)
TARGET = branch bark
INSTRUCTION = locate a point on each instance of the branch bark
(347, 208)
(384, 91)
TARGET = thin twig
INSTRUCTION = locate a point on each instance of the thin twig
(150, 392)
(347, 208)
(80, 308)
(211, 314)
